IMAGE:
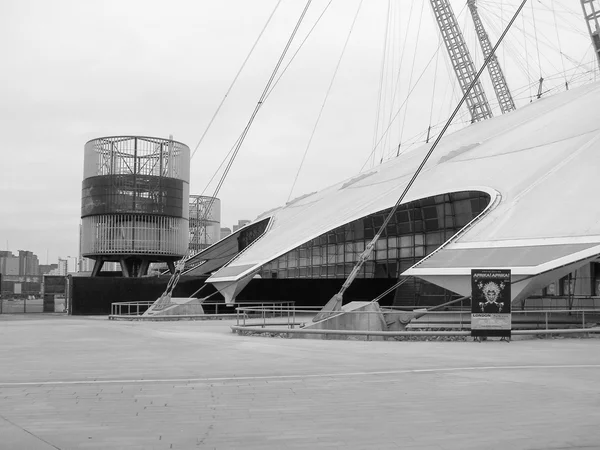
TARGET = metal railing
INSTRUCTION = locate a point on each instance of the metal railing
(219, 309)
(442, 322)
(129, 308)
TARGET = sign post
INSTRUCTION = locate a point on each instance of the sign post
(490, 303)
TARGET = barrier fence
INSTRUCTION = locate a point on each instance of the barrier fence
(131, 310)
(443, 322)
(48, 304)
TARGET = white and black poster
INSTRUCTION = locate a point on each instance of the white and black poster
(490, 302)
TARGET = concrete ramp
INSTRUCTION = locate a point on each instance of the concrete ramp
(364, 316)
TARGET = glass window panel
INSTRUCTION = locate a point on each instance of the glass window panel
(339, 258)
(402, 216)
(369, 233)
(339, 270)
(433, 239)
(360, 246)
(330, 271)
(432, 225)
(462, 207)
(358, 229)
(404, 228)
(303, 252)
(293, 262)
(283, 262)
(317, 260)
(419, 239)
(381, 244)
(406, 252)
(392, 253)
(348, 268)
(392, 242)
(315, 271)
(303, 272)
(462, 220)
(407, 241)
(339, 249)
(461, 195)
(419, 251)
(349, 246)
(430, 212)
(377, 221)
(303, 262)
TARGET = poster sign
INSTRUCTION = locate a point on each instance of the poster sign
(490, 302)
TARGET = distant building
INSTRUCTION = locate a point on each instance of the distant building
(240, 224)
(28, 263)
(47, 268)
(63, 267)
(205, 222)
(225, 232)
(20, 274)
(9, 264)
(86, 264)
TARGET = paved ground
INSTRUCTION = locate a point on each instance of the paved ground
(90, 383)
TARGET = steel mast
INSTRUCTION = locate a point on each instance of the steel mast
(591, 12)
(499, 82)
(462, 63)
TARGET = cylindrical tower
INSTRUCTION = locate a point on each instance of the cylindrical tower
(134, 202)
(205, 222)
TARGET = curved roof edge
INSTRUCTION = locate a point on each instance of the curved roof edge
(249, 270)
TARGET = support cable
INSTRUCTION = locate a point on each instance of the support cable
(235, 79)
(526, 56)
(402, 53)
(271, 90)
(335, 303)
(433, 91)
(559, 46)
(390, 55)
(298, 50)
(312, 134)
(537, 46)
(259, 104)
(378, 110)
(410, 78)
(398, 111)
(261, 100)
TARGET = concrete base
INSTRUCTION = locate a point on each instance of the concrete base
(364, 316)
(179, 307)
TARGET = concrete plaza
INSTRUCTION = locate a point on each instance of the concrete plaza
(90, 383)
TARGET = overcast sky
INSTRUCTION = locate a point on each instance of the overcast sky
(77, 70)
